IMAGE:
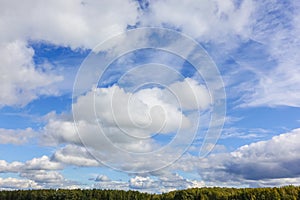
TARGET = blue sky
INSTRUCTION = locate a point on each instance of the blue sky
(142, 123)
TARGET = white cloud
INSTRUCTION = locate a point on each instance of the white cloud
(42, 163)
(150, 109)
(206, 20)
(13, 167)
(75, 155)
(16, 136)
(275, 158)
(102, 178)
(14, 183)
(44, 177)
(191, 95)
(139, 182)
(68, 23)
(277, 29)
(218, 21)
(39, 173)
(264, 162)
(20, 81)
(272, 162)
(153, 110)
(120, 124)
(54, 22)
(59, 131)
(175, 182)
(274, 25)
(267, 163)
(164, 183)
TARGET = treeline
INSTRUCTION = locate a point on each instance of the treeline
(286, 193)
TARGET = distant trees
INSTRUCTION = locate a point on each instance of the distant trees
(284, 193)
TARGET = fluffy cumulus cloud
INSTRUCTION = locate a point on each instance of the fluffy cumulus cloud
(58, 131)
(6, 167)
(264, 163)
(20, 81)
(190, 94)
(14, 183)
(35, 173)
(75, 155)
(68, 23)
(148, 110)
(275, 158)
(42, 163)
(44, 177)
(175, 181)
(110, 117)
(139, 182)
(53, 22)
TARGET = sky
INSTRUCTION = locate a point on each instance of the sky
(149, 95)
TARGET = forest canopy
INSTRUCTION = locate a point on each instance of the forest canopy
(216, 193)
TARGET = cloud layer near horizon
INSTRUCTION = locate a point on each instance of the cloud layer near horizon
(269, 163)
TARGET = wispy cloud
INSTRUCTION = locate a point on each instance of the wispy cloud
(16, 136)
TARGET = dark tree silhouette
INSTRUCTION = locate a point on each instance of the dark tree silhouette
(285, 193)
